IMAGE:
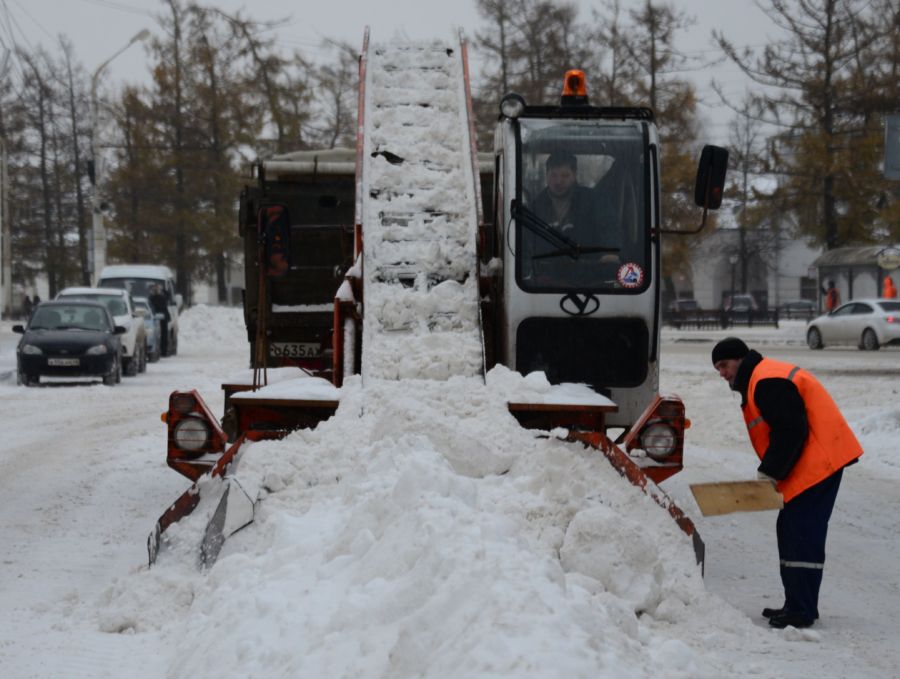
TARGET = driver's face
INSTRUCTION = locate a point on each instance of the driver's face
(560, 180)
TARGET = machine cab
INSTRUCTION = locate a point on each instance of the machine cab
(576, 200)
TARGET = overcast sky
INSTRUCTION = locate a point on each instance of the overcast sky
(99, 28)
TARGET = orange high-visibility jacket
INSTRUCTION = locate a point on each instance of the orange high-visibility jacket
(830, 444)
(889, 292)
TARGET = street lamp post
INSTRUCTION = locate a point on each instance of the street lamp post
(97, 239)
(733, 260)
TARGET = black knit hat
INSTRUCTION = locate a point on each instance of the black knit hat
(730, 347)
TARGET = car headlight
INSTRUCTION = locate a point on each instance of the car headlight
(97, 350)
(191, 433)
(658, 440)
(31, 350)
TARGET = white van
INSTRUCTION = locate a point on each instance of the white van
(139, 280)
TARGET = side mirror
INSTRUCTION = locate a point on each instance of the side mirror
(120, 330)
(711, 177)
(20, 329)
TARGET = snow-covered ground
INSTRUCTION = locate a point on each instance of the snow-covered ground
(421, 533)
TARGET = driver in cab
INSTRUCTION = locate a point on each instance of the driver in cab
(564, 204)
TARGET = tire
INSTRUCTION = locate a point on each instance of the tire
(23, 380)
(814, 339)
(131, 366)
(869, 341)
(142, 364)
(114, 376)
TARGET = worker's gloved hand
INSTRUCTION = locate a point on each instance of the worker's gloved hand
(765, 477)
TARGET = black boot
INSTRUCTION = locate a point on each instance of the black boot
(783, 620)
(772, 612)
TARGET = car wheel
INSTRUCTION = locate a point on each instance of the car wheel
(23, 380)
(814, 339)
(114, 375)
(869, 342)
(131, 366)
(142, 366)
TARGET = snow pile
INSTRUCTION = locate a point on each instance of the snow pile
(422, 532)
(211, 329)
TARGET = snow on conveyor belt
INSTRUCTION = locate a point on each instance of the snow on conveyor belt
(419, 217)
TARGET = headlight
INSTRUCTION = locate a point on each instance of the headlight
(97, 350)
(31, 350)
(658, 440)
(191, 433)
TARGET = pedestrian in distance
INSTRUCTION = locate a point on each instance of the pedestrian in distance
(27, 307)
(832, 297)
(160, 305)
(803, 443)
(888, 289)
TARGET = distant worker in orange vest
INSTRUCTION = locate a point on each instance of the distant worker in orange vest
(803, 443)
(889, 291)
(832, 297)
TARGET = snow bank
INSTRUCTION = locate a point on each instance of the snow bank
(422, 532)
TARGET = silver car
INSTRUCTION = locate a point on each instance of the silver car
(866, 323)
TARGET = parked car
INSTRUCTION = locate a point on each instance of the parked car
(121, 306)
(866, 323)
(152, 327)
(69, 338)
(684, 304)
(741, 303)
(798, 308)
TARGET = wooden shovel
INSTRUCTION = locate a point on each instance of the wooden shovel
(727, 497)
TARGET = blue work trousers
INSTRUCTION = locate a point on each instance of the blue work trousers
(802, 527)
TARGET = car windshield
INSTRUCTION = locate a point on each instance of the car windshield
(69, 317)
(138, 287)
(114, 303)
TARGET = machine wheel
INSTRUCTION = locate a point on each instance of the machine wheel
(114, 376)
(142, 364)
(814, 339)
(868, 341)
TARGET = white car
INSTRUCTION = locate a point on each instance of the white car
(139, 280)
(866, 323)
(121, 308)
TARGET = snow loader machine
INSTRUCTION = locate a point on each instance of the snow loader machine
(502, 261)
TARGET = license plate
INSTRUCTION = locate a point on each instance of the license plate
(293, 349)
(63, 361)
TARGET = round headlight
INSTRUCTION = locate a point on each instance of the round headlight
(512, 105)
(97, 350)
(191, 433)
(658, 440)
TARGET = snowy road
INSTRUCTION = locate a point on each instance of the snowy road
(83, 478)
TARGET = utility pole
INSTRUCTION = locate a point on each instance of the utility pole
(5, 233)
(97, 240)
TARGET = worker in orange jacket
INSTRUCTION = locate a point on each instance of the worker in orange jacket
(888, 290)
(832, 296)
(803, 443)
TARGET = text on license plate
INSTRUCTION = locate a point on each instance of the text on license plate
(294, 349)
(63, 361)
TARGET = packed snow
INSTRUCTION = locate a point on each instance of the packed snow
(421, 533)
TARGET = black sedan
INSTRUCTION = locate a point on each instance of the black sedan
(69, 339)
